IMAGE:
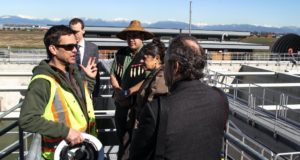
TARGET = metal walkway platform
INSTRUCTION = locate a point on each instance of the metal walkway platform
(279, 127)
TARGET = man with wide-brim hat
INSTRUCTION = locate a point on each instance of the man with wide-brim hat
(127, 75)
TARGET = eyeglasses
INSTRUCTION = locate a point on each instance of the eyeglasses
(67, 47)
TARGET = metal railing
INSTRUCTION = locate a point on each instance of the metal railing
(252, 102)
(107, 114)
(33, 56)
(19, 145)
(257, 103)
(289, 155)
(241, 146)
(245, 151)
(22, 56)
(257, 98)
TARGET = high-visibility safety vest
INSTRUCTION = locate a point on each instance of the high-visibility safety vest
(61, 107)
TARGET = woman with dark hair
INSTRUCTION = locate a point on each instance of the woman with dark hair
(154, 84)
(143, 136)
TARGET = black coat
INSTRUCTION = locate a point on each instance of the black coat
(195, 124)
(143, 139)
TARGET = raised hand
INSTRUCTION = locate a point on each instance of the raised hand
(91, 68)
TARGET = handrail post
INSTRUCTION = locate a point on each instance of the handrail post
(21, 144)
(263, 99)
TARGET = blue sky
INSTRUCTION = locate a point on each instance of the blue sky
(257, 12)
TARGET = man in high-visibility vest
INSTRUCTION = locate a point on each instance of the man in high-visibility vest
(58, 104)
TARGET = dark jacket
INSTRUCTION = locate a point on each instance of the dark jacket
(143, 139)
(196, 114)
(195, 123)
(38, 95)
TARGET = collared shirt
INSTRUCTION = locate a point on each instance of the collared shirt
(81, 46)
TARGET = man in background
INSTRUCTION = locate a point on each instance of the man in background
(292, 57)
(85, 50)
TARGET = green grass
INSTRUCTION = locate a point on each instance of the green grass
(260, 40)
(34, 39)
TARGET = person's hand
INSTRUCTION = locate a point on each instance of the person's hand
(117, 93)
(124, 93)
(121, 94)
(91, 68)
(74, 137)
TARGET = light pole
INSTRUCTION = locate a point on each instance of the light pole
(223, 35)
(190, 19)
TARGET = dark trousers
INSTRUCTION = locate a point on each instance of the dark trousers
(121, 126)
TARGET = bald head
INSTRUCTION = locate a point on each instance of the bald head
(185, 58)
(194, 45)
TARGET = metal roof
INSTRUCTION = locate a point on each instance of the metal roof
(115, 42)
(206, 44)
(170, 31)
(285, 42)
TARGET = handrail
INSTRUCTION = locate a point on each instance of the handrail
(244, 147)
(19, 146)
(34, 58)
(227, 85)
(233, 130)
(8, 128)
(290, 154)
(10, 110)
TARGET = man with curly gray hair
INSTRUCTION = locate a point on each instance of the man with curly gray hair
(193, 116)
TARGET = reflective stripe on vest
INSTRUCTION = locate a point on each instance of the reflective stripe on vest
(61, 108)
(90, 109)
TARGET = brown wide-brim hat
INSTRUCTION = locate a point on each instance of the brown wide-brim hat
(135, 26)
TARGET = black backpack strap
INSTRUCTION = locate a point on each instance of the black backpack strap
(161, 129)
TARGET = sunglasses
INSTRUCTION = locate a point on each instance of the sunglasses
(67, 47)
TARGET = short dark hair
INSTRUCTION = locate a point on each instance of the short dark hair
(75, 21)
(191, 59)
(52, 36)
(156, 47)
